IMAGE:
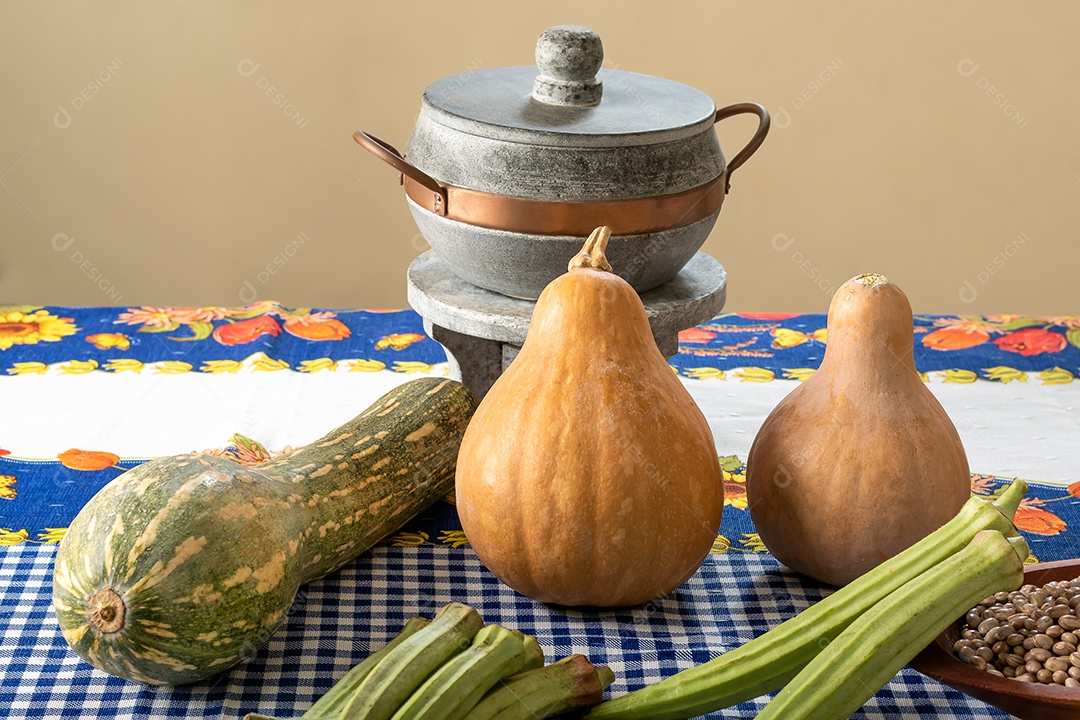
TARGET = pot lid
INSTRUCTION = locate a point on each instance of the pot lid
(568, 100)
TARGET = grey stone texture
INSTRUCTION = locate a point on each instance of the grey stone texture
(482, 331)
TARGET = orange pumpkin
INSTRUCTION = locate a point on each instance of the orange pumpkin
(860, 461)
(588, 476)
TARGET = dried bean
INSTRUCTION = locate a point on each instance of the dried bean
(1056, 663)
(1038, 655)
(1059, 611)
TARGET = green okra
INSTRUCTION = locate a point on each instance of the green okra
(770, 661)
(330, 705)
(459, 684)
(573, 683)
(534, 654)
(886, 637)
(394, 679)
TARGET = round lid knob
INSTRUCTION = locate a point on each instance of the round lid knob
(568, 57)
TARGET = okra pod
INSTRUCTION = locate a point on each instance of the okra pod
(886, 637)
(573, 683)
(768, 662)
(394, 679)
(458, 685)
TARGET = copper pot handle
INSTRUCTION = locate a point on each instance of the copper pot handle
(764, 122)
(389, 155)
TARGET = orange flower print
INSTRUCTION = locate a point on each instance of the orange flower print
(982, 484)
(696, 335)
(6, 491)
(244, 331)
(4, 452)
(87, 459)
(1070, 321)
(399, 341)
(1074, 489)
(955, 338)
(317, 326)
(1032, 341)
(108, 341)
(1032, 518)
(170, 317)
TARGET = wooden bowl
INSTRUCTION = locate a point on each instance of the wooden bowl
(1029, 701)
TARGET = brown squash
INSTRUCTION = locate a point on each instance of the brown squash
(860, 461)
(588, 475)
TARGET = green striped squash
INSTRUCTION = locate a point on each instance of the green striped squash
(184, 566)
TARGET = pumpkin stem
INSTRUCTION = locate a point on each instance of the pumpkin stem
(871, 279)
(592, 254)
(106, 611)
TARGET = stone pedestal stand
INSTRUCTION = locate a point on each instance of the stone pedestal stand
(482, 331)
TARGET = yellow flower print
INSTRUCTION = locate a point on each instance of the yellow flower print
(734, 489)
(79, 367)
(216, 367)
(173, 367)
(108, 341)
(52, 536)
(366, 366)
(1005, 374)
(12, 537)
(1057, 376)
(6, 491)
(754, 374)
(409, 539)
(753, 542)
(314, 366)
(705, 373)
(720, 545)
(399, 341)
(784, 338)
(453, 538)
(410, 367)
(20, 328)
(800, 374)
(960, 376)
(28, 368)
(264, 363)
(124, 365)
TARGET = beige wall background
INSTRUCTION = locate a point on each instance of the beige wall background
(142, 160)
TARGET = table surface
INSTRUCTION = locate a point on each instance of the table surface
(121, 385)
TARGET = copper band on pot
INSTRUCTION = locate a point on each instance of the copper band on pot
(547, 217)
(552, 217)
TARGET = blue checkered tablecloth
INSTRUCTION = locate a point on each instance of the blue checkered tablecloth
(81, 384)
(338, 620)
